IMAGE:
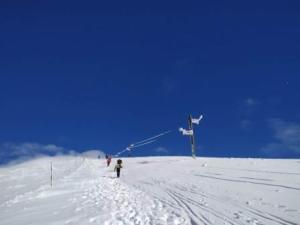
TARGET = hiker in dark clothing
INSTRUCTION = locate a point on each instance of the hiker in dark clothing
(118, 167)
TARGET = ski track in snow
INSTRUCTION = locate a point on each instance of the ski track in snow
(162, 190)
(198, 200)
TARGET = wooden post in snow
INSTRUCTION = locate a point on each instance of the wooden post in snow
(51, 177)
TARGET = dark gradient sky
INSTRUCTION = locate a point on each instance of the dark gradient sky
(85, 75)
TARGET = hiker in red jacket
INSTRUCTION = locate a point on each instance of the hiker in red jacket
(108, 160)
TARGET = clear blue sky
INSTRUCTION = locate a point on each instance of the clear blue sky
(85, 75)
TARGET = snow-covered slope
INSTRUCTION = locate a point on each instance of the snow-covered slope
(151, 190)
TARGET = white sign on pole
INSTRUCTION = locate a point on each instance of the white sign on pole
(186, 132)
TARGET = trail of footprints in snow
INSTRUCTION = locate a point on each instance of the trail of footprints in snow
(240, 216)
(127, 205)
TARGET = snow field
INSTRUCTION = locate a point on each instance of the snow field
(150, 191)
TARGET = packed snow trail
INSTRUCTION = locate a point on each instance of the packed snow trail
(89, 195)
(151, 190)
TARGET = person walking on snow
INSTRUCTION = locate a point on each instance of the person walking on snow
(108, 160)
(118, 167)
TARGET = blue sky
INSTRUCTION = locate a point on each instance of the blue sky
(96, 76)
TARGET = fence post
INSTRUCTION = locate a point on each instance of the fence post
(51, 176)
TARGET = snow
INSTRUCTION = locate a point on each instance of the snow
(151, 190)
(93, 154)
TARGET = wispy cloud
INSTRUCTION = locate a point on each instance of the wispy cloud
(250, 102)
(246, 124)
(247, 109)
(249, 106)
(286, 135)
(161, 149)
(17, 151)
(168, 85)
